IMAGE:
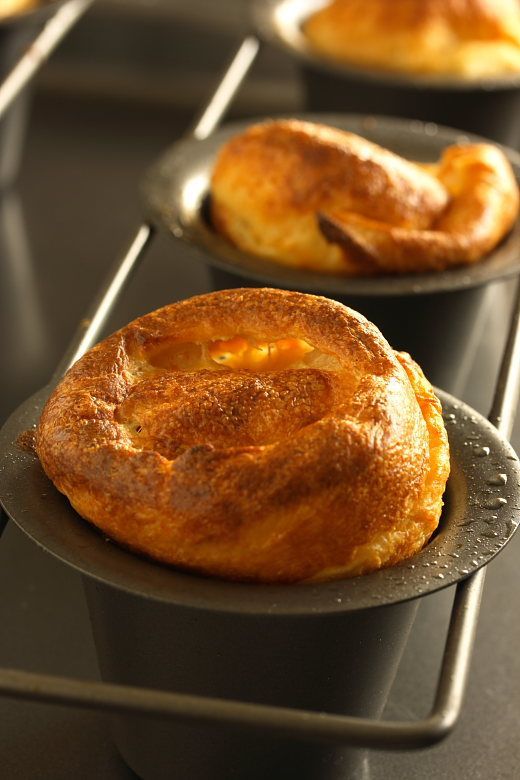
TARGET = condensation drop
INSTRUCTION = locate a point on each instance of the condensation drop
(497, 479)
(494, 502)
(480, 452)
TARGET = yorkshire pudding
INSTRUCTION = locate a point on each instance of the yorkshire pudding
(468, 39)
(250, 434)
(313, 196)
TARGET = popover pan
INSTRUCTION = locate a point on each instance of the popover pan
(328, 647)
(430, 315)
(488, 106)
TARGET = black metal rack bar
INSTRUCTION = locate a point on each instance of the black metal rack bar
(55, 29)
(316, 726)
(91, 325)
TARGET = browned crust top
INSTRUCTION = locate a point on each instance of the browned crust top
(268, 475)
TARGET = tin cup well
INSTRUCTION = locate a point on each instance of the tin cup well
(434, 316)
(487, 106)
(330, 647)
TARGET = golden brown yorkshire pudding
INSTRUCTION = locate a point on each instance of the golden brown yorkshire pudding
(251, 434)
(467, 39)
(316, 197)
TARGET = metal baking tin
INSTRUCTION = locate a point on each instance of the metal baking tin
(489, 106)
(328, 647)
(431, 315)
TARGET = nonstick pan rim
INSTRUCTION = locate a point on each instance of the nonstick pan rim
(485, 473)
(175, 190)
(287, 35)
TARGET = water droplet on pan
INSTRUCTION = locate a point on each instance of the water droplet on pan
(497, 479)
(480, 452)
(494, 502)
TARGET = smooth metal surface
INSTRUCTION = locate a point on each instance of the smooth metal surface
(307, 725)
(39, 51)
(176, 190)
(340, 664)
(458, 651)
(227, 89)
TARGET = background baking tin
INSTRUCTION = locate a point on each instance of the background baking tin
(489, 106)
(431, 315)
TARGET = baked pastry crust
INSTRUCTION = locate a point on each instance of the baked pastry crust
(466, 39)
(331, 465)
(312, 196)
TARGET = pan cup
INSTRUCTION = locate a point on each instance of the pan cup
(489, 107)
(324, 663)
(330, 646)
(436, 317)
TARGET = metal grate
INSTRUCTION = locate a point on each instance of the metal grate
(289, 722)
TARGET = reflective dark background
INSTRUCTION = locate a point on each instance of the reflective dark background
(126, 83)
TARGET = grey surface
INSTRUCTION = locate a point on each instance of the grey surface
(80, 204)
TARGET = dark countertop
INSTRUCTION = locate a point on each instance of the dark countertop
(78, 199)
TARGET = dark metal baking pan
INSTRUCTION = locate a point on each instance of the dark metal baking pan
(431, 315)
(177, 186)
(489, 106)
(330, 647)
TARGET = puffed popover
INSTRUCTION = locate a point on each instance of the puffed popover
(466, 39)
(312, 196)
(251, 434)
